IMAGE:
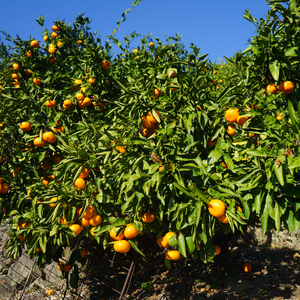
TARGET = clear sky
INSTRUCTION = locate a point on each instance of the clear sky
(216, 27)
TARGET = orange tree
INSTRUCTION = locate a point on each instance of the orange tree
(156, 140)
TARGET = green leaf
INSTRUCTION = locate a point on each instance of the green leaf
(182, 245)
(214, 156)
(191, 246)
(275, 69)
(292, 51)
(167, 263)
(279, 172)
(133, 245)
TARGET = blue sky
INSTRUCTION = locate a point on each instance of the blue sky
(216, 27)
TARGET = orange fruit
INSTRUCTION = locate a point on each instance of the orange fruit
(231, 115)
(55, 28)
(173, 255)
(151, 118)
(146, 123)
(148, 217)
(168, 235)
(216, 208)
(85, 222)
(130, 231)
(247, 267)
(57, 159)
(67, 104)
(75, 228)
(49, 137)
(54, 34)
(148, 132)
(16, 171)
(37, 143)
(34, 44)
(80, 183)
(218, 250)
(25, 126)
(157, 92)
(29, 54)
(67, 268)
(241, 120)
(79, 43)
(214, 82)
(223, 219)
(279, 118)
(50, 292)
(286, 87)
(50, 103)
(239, 209)
(52, 60)
(113, 235)
(271, 88)
(92, 80)
(59, 43)
(151, 44)
(36, 81)
(211, 143)
(122, 246)
(60, 266)
(15, 76)
(80, 96)
(88, 213)
(51, 50)
(105, 64)
(92, 231)
(16, 67)
(87, 101)
(84, 173)
(45, 38)
(95, 220)
(250, 135)
(83, 253)
(38, 249)
(159, 241)
(5, 188)
(230, 130)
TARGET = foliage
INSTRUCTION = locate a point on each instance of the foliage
(170, 169)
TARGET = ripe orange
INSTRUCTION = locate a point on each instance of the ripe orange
(57, 159)
(15, 76)
(211, 143)
(151, 118)
(122, 246)
(286, 87)
(29, 54)
(239, 209)
(247, 267)
(55, 28)
(157, 92)
(113, 235)
(216, 208)
(67, 104)
(279, 118)
(16, 67)
(230, 130)
(83, 253)
(95, 220)
(25, 126)
(52, 50)
(50, 103)
(214, 82)
(1, 159)
(271, 88)
(85, 222)
(121, 149)
(130, 231)
(148, 132)
(50, 292)
(148, 217)
(215, 72)
(37, 143)
(49, 137)
(54, 34)
(218, 250)
(151, 44)
(146, 123)
(36, 81)
(59, 43)
(241, 120)
(60, 266)
(80, 184)
(38, 249)
(67, 268)
(45, 38)
(173, 255)
(34, 44)
(5, 188)
(92, 80)
(87, 101)
(80, 96)
(105, 64)
(79, 43)
(231, 115)
(75, 228)
(88, 213)
(52, 60)
(223, 219)
(168, 235)
(84, 173)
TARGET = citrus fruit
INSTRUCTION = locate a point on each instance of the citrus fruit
(130, 231)
(173, 255)
(122, 246)
(216, 208)
(231, 115)
(113, 235)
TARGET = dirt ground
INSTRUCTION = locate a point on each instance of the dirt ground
(275, 272)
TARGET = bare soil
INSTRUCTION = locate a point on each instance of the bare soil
(275, 261)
